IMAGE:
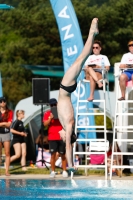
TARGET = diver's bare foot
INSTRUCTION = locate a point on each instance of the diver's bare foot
(94, 26)
(99, 84)
(63, 135)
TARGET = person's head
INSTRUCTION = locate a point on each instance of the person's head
(3, 103)
(20, 114)
(52, 102)
(130, 46)
(97, 46)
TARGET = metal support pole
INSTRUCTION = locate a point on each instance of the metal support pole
(42, 130)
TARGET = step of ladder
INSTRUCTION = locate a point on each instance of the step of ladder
(92, 113)
(92, 166)
(125, 101)
(123, 166)
(124, 140)
(95, 100)
(123, 153)
(129, 114)
(123, 127)
(88, 153)
(88, 130)
(90, 126)
(121, 112)
(102, 128)
(98, 140)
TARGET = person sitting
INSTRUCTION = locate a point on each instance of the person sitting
(127, 75)
(42, 142)
(93, 67)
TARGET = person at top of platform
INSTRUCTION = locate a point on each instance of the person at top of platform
(94, 64)
(127, 75)
(67, 86)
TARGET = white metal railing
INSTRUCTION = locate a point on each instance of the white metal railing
(93, 128)
(121, 127)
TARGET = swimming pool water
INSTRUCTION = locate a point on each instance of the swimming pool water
(66, 189)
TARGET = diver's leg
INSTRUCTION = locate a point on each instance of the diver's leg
(74, 71)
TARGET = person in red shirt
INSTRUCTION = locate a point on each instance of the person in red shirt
(56, 144)
(6, 117)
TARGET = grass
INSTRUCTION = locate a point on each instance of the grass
(35, 170)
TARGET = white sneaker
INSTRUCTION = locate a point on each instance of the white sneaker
(65, 174)
(52, 175)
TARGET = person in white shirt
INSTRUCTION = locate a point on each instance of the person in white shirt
(93, 66)
(127, 75)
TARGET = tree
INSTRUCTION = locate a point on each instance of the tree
(29, 41)
(115, 24)
(29, 35)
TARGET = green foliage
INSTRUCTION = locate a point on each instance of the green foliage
(115, 24)
(29, 35)
(26, 38)
(13, 3)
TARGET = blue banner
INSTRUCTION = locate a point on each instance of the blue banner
(72, 45)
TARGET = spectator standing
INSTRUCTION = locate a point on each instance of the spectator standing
(93, 67)
(55, 142)
(19, 144)
(6, 116)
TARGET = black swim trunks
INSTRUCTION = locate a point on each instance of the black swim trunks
(69, 89)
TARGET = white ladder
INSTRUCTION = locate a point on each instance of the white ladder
(121, 129)
(89, 128)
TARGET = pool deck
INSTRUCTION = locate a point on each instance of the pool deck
(59, 177)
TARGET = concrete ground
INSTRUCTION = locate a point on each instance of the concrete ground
(59, 177)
